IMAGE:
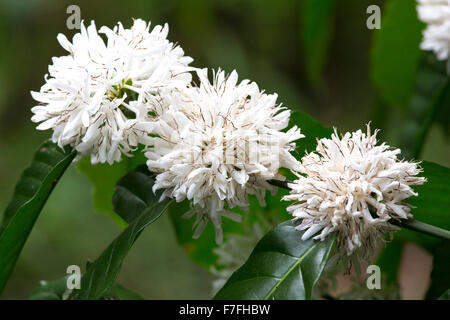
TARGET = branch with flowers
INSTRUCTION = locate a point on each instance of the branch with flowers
(213, 151)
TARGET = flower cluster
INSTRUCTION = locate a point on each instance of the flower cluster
(215, 143)
(95, 98)
(218, 143)
(353, 187)
(436, 36)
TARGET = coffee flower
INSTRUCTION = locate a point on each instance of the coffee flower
(95, 97)
(353, 187)
(436, 36)
(218, 143)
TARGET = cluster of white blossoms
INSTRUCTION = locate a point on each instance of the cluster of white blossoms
(353, 187)
(215, 143)
(436, 36)
(96, 98)
(234, 251)
(219, 142)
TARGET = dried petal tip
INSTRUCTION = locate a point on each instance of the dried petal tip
(353, 187)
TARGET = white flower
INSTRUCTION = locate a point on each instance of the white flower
(95, 98)
(436, 36)
(354, 187)
(219, 143)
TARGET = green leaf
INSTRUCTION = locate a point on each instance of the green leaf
(133, 194)
(30, 194)
(430, 205)
(312, 130)
(440, 277)
(396, 53)
(119, 292)
(102, 272)
(433, 197)
(104, 178)
(428, 102)
(201, 250)
(281, 267)
(316, 20)
(50, 290)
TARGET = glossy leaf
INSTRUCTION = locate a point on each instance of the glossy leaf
(281, 267)
(119, 292)
(430, 204)
(30, 194)
(133, 194)
(396, 52)
(101, 274)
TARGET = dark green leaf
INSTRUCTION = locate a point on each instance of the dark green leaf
(119, 292)
(133, 194)
(30, 195)
(396, 52)
(102, 272)
(431, 204)
(312, 130)
(104, 178)
(281, 267)
(432, 200)
(316, 20)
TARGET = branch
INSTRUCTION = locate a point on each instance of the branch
(422, 227)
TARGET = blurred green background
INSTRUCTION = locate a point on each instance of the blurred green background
(263, 40)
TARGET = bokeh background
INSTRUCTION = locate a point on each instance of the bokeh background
(261, 39)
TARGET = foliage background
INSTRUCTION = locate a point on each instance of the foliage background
(262, 39)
